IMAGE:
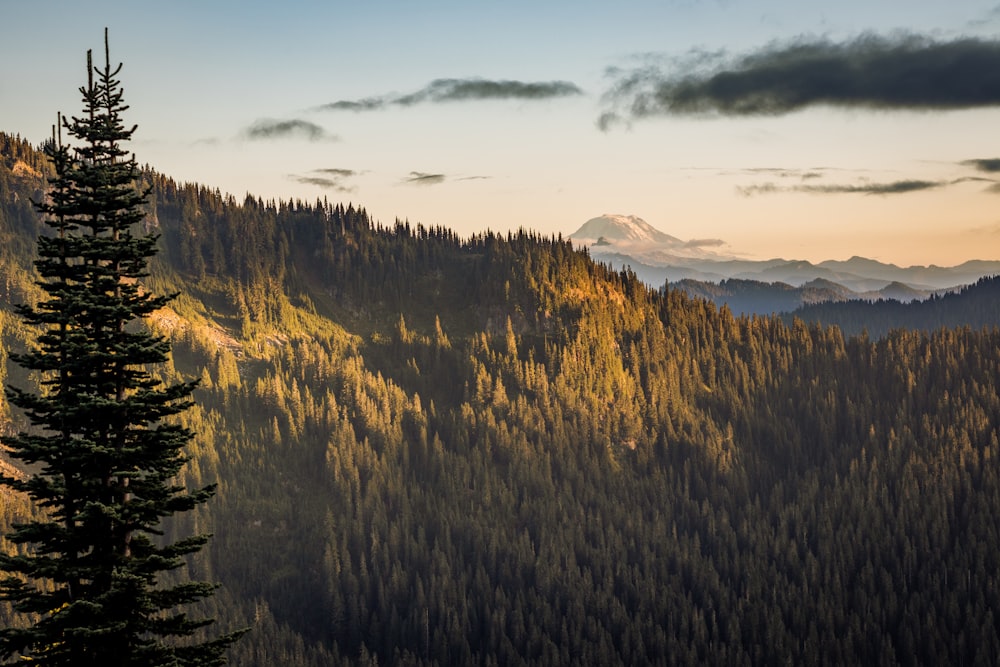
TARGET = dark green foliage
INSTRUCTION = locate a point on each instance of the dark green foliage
(433, 450)
(102, 460)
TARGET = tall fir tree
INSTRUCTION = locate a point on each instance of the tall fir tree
(103, 455)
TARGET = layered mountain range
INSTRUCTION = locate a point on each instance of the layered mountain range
(762, 286)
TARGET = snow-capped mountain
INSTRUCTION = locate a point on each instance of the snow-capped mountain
(621, 229)
(628, 240)
(612, 234)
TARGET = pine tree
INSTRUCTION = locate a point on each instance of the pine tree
(103, 455)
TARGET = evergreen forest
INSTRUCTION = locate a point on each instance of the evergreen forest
(976, 305)
(434, 450)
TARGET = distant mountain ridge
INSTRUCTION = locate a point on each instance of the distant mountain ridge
(762, 286)
(744, 296)
(976, 305)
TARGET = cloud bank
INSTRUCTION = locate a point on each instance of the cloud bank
(459, 90)
(269, 128)
(871, 72)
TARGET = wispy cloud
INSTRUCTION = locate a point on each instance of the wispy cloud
(421, 178)
(269, 128)
(778, 172)
(987, 20)
(704, 243)
(801, 174)
(904, 186)
(891, 188)
(342, 173)
(459, 90)
(903, 72)
(759, 189)
(987, 230)
(328, 179)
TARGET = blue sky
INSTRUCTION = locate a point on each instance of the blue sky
(499, 115)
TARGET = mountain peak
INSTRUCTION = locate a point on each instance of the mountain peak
(621, 229)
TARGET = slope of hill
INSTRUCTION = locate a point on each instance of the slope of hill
(434, 450)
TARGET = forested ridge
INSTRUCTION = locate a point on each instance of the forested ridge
(493, 450)
(976, 305)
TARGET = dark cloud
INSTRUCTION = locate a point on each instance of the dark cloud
(329, 179)
(457, 90)
(420, 178)
(761, 189)
(988, 165)
(905, 186)
(340, 173)
(368, 104)
(268, 128)
(325, 183)
(904, 72)
(891, 188)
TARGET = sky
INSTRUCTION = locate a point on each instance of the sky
(760, 128)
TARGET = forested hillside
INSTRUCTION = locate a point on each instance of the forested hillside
(493, 450)
(754, 297)
(976, 305)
